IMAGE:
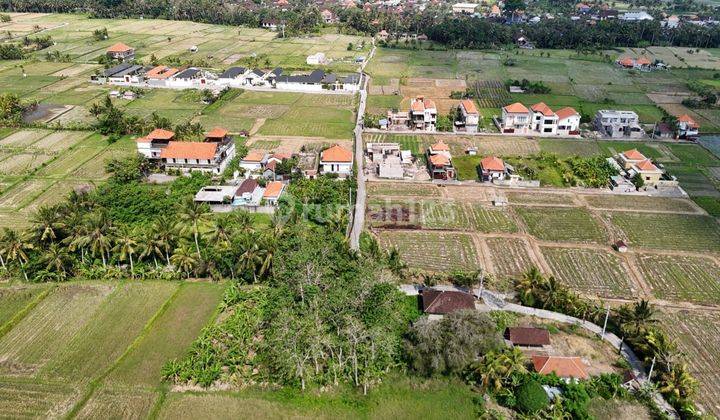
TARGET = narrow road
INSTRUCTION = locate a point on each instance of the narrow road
(358, 220)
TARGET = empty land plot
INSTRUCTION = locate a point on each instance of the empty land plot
(669, 231)
(506, 146)
(682, 278)
(631, 202)
(49, 328)
(68, 162)
(562, 224)
(15, 299)
(170, 335)
(445, 215)
(118, 321)
(509, 256)
(23, 138)
(590, 271)
(390, 212)
(23, 163)
(126, 404)
(570, 147)
(59, 140)
(433, 251)
(539, 198)
(403, 189)
(34, 400)
(21, 194)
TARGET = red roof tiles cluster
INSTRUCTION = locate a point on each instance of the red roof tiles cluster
(189, 150)
(336, 153)
(564, 367)
(492, 163)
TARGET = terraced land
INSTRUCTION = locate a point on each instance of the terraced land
(433, 251)
(562, 224)
(697, 336)
(17, 299)
(668, 231)
(682, 278)
(590, 271)
(459, 216)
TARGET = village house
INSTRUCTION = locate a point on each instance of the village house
(152, 145)
(495, 11)
(270, 24)
(336, 160)
(443, 302)
(190, 77)
(328, 17)
(253, 162)
(568, 122)
(467, 9)
(233, 77)
(121, 52)
(568, 368)
(629, 158)
(618, 124)
(216, 194)
(159, 73)
(544, 119)
(270, 169)
(469, 117)
(492, 168)
(528, 336)
(249, 193)
(388, 161)
(440, 162)
(272, 193)
(211, 155)
(650, 173)
(516, 119)
(687, 128)
(423, 114)
(316, 59)
(635, 16)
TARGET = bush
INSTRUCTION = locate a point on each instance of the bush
(530, 397)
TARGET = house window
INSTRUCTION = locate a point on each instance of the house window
(647, 178)
(547, 130)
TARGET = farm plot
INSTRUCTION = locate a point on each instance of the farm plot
(668, 231)
(170, 335)
(445, 215)
(23, 163)
(126, 404)
(394, 213)
(59, 140)
(626, 202)
(24, 138)
(488, 219)
(403, 189)
(15, 299)
(21, 194)
(433, 251)
(562, 224)
(108, 334)
(697, 336)
(590, 271)
(49, 328)
(539, 198)
(509, 256)
(35, 400)
(682, 278)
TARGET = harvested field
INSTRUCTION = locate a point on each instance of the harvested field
(527, 198)
(668, 231)
(34, 400)
(49, 328)
(126, 404)
(23, 163)
(23, 138)
(15, 299)
(590, 271)
(509, 256)
(625, 202)
(562, 224)
(682, 278)
(59, 140)
(403, 189)
(432, 251)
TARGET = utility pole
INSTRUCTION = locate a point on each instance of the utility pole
(607, 315)
(482, 281)
(652, 367)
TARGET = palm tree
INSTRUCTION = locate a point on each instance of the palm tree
(678, 383)
(658, 344)
(220, 235)
(15, 248)
(528, 286)
(98, 235)
(56, 259)
(184, 259)
(194, 214)
(252, 258)
(47, 223)
(395, 263)
(127, 246)
(637, 318)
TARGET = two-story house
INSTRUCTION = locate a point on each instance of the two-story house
(151, 145)
(568, 122)
(469, 116)
(211, 155)
(687, 128)
(121, 52)
(423, 114)
(618, 124)
(516, 119)
(544, 119)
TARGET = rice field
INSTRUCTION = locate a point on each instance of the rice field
(590, 271)
(562, 224)
(121, 403)
(432, 251)
(682, 278)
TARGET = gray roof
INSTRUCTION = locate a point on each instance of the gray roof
(187, 73)
(352, 79)
(233, 72)
(277, 71)
(316, 76)
(130, 70)
(329, 78)
(117, 69)
(258, 72)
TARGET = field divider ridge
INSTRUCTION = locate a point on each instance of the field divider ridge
(6, 327)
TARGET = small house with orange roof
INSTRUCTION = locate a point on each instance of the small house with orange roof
(151, 145)
(626, 62)
(253, 162)
(643, 63)
(187, 156)
(469, 117)
(650, 173)
(439, 161)
(328, 16)
(492, 167)
(516, 119)
(273, 192)
(336, 160)
(495, 11)
(629, 158)
(568, 121)
(440, 148)
(568, 368)
(423, 114)
(121, 52)
(544, 119)
(218, 135)
(687, 128)
(160, 73)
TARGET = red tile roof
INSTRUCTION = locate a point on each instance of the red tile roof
(189, 150)
(161, 134)
(217, 133)
(469, 106)
(440, 146)
(445, 301)
(634, 155)
(646, 165)
(566, 112)
(439, 160)
(543, 109)
(336, 153)
(119, 47)
(254, 156)
(492, 163)
(160, 72)
(687, 119)
(420, 104)
(643, 61)
(627, 62)
(528, 336)
(273, 189)
(564, 367)
(516, 108)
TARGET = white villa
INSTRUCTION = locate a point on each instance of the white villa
(336, 160)
(618, 124)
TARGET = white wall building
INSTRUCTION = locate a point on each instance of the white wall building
(336, 160)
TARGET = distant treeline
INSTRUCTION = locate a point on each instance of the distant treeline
(568, 34)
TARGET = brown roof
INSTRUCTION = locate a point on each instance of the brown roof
(247, 186)
(564, 367)
(119, 47)
(469, 106)
(439, 160)
(217, 133)
(336, 153)
(492, 163)
(566, 112)
(445, 301)
(160, 72)
(528, 336)
(161, 134)
(273, 189)
(643, 61)
(189, 150)
(543, 109)
(516, 108)
(634, 154)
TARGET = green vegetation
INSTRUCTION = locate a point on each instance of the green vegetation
(593, 172)
(562, 224)
(531, 397)
(669, 231)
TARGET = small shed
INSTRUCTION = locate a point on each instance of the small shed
(528, 336)
(621, 246)
(442, 302)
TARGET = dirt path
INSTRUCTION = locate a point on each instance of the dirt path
(259, 122)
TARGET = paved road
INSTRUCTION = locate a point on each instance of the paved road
(358, 220)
